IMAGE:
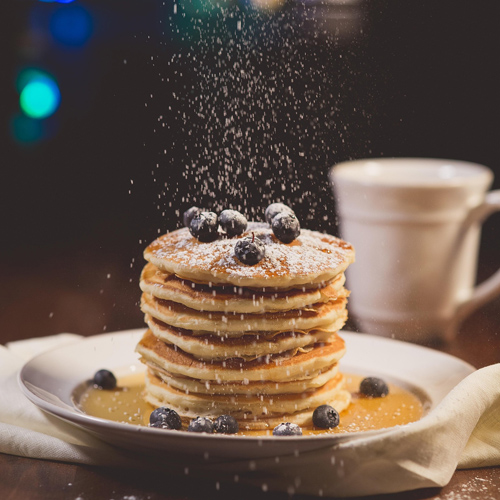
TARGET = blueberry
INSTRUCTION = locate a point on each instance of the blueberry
(250, 251)
(287, 429)
(233, 222)
(286, 227)
(104, 379)
(226, 424)
(204, 226)
(373, 387)
(159, 424)
(326, 417)
(189, 214)
(201, 424)
(165, 418)
(275, 209)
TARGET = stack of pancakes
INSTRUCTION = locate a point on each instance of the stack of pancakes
(255, 342)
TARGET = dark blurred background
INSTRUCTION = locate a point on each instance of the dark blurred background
(118, 115)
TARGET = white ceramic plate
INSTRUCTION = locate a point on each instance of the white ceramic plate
(49, 380)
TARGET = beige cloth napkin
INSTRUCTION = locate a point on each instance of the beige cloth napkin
(463, 431)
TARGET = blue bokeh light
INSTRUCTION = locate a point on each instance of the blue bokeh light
(71, 25)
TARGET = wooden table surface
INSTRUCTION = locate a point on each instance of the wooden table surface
(478, 342)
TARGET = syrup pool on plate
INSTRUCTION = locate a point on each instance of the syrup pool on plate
(125, 404)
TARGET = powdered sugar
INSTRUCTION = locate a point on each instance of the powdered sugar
(483, 488)
(312, 254)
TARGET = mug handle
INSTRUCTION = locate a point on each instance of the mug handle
(489, 288)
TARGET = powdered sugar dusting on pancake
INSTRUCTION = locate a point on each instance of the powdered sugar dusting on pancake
(311, 258)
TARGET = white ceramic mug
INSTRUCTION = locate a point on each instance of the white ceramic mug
(415, 225)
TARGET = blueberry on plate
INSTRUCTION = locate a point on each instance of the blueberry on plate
(250, 251)
(287, 429)
(201, 424)
(373, 387)
(276, 208)
(160, 424)
(286, 227)
(205, 227)
(104, 379)
(326, 417)
(233, 222)
(165, 418)
(226, 424)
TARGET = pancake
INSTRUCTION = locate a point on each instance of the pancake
(235, 299)
(276, 368)
(251, 405)
(175, 314)
(188, 384)
(160, 394)
(311, 258)
(216, 347)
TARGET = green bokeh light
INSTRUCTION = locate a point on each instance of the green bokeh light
(27, 75)
(40, 97)
(25, 130)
